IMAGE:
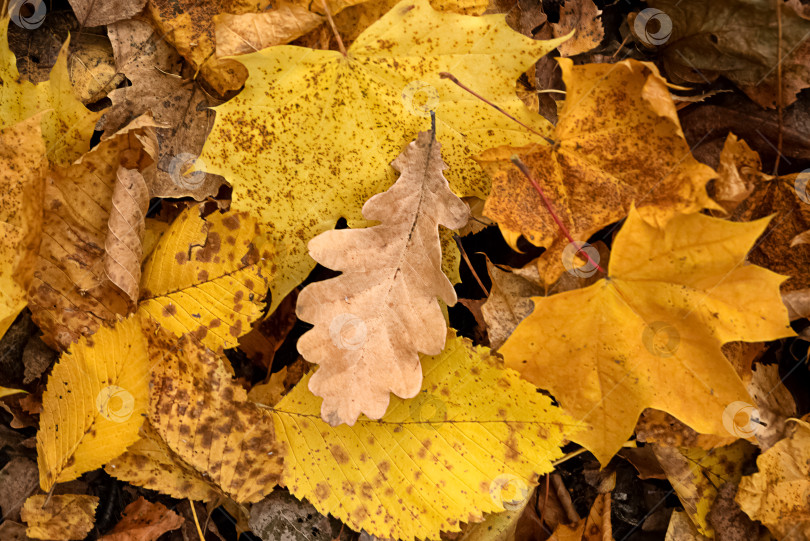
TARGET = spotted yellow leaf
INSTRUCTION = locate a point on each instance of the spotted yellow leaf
(310, 137)
(207, 421)
(205, 277)
(472, 442)
(63, 517)
(94, 403)
(22, 173)
(66, 125)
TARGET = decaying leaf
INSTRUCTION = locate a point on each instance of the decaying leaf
(595, 527)
(508, 303)
(61, 518)
(144, 521)
(650, 335)
(618, 142)
(696, 475)
(71, 294)
(372, 321)
(251, 32)
(205, 277)
(151, 464)
(123, 246)
(22, 172)
(260, 135)
(94, 403)
(738, 40)
(66, 124)
(98, 12)
(582, 16)
(774, 404)
(470, 443)
(777, 494)
(206, 419)
(189, 26)
(177, 103)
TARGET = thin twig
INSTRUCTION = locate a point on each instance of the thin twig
(565, 499)
(467, 261)
(525, 170)
(334, 28)
(196, 520)
(445, 75)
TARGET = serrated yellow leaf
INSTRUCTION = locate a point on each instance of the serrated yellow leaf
(206, 419)
(650, 335)
(470, 443)
(63, 517)
(151, 464)
(22, 173)
(204, 277)
(310, 137)
(94, 403)
(67, 125)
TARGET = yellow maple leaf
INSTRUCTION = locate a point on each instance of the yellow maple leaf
(470, 443)
(618, 142)
(22, 172)
(205, 277)
(372, 321)
(650, 334)
(777, 494)
(206, 419)
(60, 517)
(66, 124)
(94, 403)
(310, 137)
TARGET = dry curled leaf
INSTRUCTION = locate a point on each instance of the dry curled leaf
(101, 12)
(206, 419)
(94, 403)
(123, 246)
(618, 142)
(251, 32)
(64, 517)
(373, 320)
(650, 334)
(71, 294)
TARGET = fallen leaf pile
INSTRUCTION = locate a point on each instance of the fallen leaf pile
(398, 270)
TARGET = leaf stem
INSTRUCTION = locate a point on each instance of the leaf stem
(525, 170)
(445, 75)
(334, 28)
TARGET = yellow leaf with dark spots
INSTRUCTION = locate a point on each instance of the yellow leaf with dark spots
(63, 517)
(472, 442)
(310, 137)
(204, 277)
(206, 419)
(94, 403)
